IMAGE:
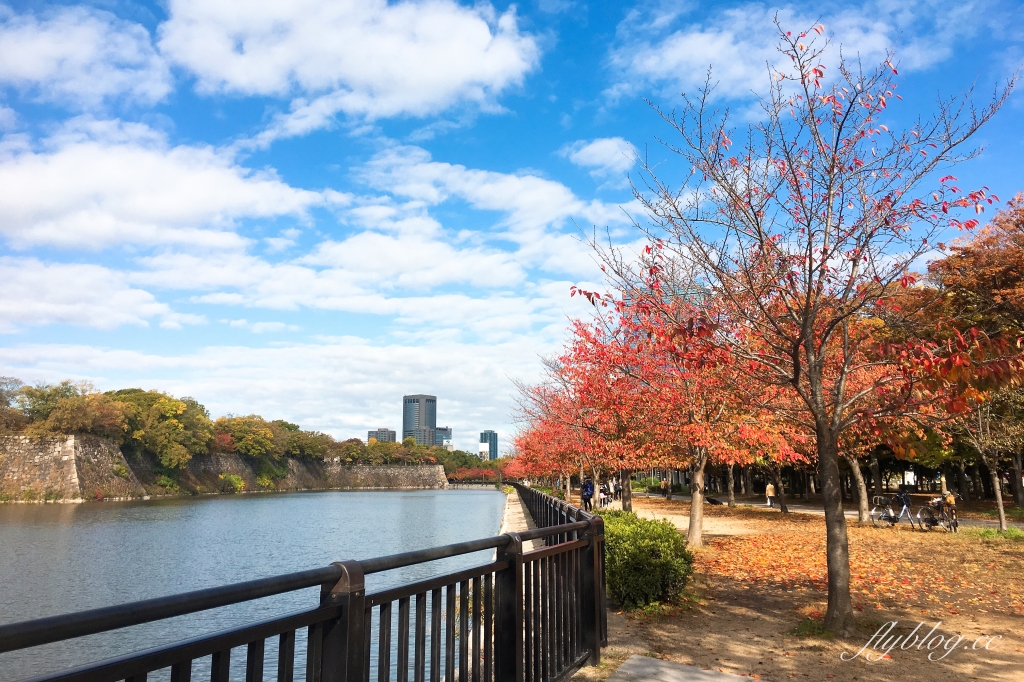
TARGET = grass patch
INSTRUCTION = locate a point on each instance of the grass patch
(809, 627)
(1015, 513)
(1012, 533)
(973, 533)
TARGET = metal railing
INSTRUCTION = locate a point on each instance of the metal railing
(551, 513)
(534, 616)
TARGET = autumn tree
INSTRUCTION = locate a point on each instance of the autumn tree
(173, 429)
(981, 284)
(794, 232)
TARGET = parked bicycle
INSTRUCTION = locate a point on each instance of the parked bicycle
(940, 511)
(883, 515)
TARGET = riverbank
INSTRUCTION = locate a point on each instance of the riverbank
(87, 468)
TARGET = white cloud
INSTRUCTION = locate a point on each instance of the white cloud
(362, 57)
(80, 55)
(740, 42)
(106, 183)
(262, 327)
(36, 293)
(606, 156)
(413, 261)
(531, 202)
(535, 210)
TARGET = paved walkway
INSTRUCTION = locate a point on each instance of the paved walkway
(646, 669)
(516, 518)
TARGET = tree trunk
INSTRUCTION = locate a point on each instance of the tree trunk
(668, 490)
(876, 473)
(997, 489)
(695, 533)
(626, 481)
(744, 475)
(943, 482)
(1018, 486)
(732, 493)
(811, 481)
(839, 614)
(961, 481)
(775, 472)
(863, 508)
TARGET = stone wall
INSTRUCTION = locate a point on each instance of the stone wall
(68, 468)
(77, 468)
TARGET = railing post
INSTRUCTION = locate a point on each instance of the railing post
(508, 614)
(592, 599)
(342, 654)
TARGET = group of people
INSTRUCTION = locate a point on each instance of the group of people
(605, 493)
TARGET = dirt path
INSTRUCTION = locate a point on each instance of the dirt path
(760, 581)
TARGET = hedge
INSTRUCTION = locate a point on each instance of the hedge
(645, 561)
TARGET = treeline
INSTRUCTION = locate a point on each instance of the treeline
(174, 430)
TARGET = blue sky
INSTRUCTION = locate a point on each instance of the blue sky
(308, 209)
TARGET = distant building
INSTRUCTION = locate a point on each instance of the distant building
(488, 444)
(449, 446)
(382, 435)
(419, 420)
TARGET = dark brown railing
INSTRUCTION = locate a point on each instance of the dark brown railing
(534, 616)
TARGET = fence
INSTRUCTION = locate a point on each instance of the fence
(533, 616)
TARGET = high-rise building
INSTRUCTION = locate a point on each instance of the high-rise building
(382, 435)
(419, 418)
(490, 440)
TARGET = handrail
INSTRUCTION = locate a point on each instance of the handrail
(522, 608)
(24, 634)
(14, 636)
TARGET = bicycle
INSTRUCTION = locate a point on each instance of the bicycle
(940, 511)
(882, 514)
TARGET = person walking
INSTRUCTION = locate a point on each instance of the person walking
(617, 492)
(664, 488)
(769, 492)
(587, 493)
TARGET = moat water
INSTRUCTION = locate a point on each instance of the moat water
(60, 558)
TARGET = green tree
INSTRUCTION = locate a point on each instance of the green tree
(174, 429)
(251, 435)
(37, 402)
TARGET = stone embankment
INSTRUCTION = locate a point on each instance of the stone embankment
(82, 468)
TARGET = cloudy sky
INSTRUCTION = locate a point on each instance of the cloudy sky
(306, 209)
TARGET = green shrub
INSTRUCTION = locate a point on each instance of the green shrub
(4, 497)
(265, 483)
(646, 561)
(121, 471)
(234, 483)
(507, 489)
(676, 489)
(168, 484)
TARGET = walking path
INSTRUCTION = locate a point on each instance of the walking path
(516, 519)
(647, 669)
(800, 508)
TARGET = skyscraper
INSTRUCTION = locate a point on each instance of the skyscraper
(419, 418)
(490, 439)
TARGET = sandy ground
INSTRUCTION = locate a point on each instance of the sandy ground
(746, 626)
